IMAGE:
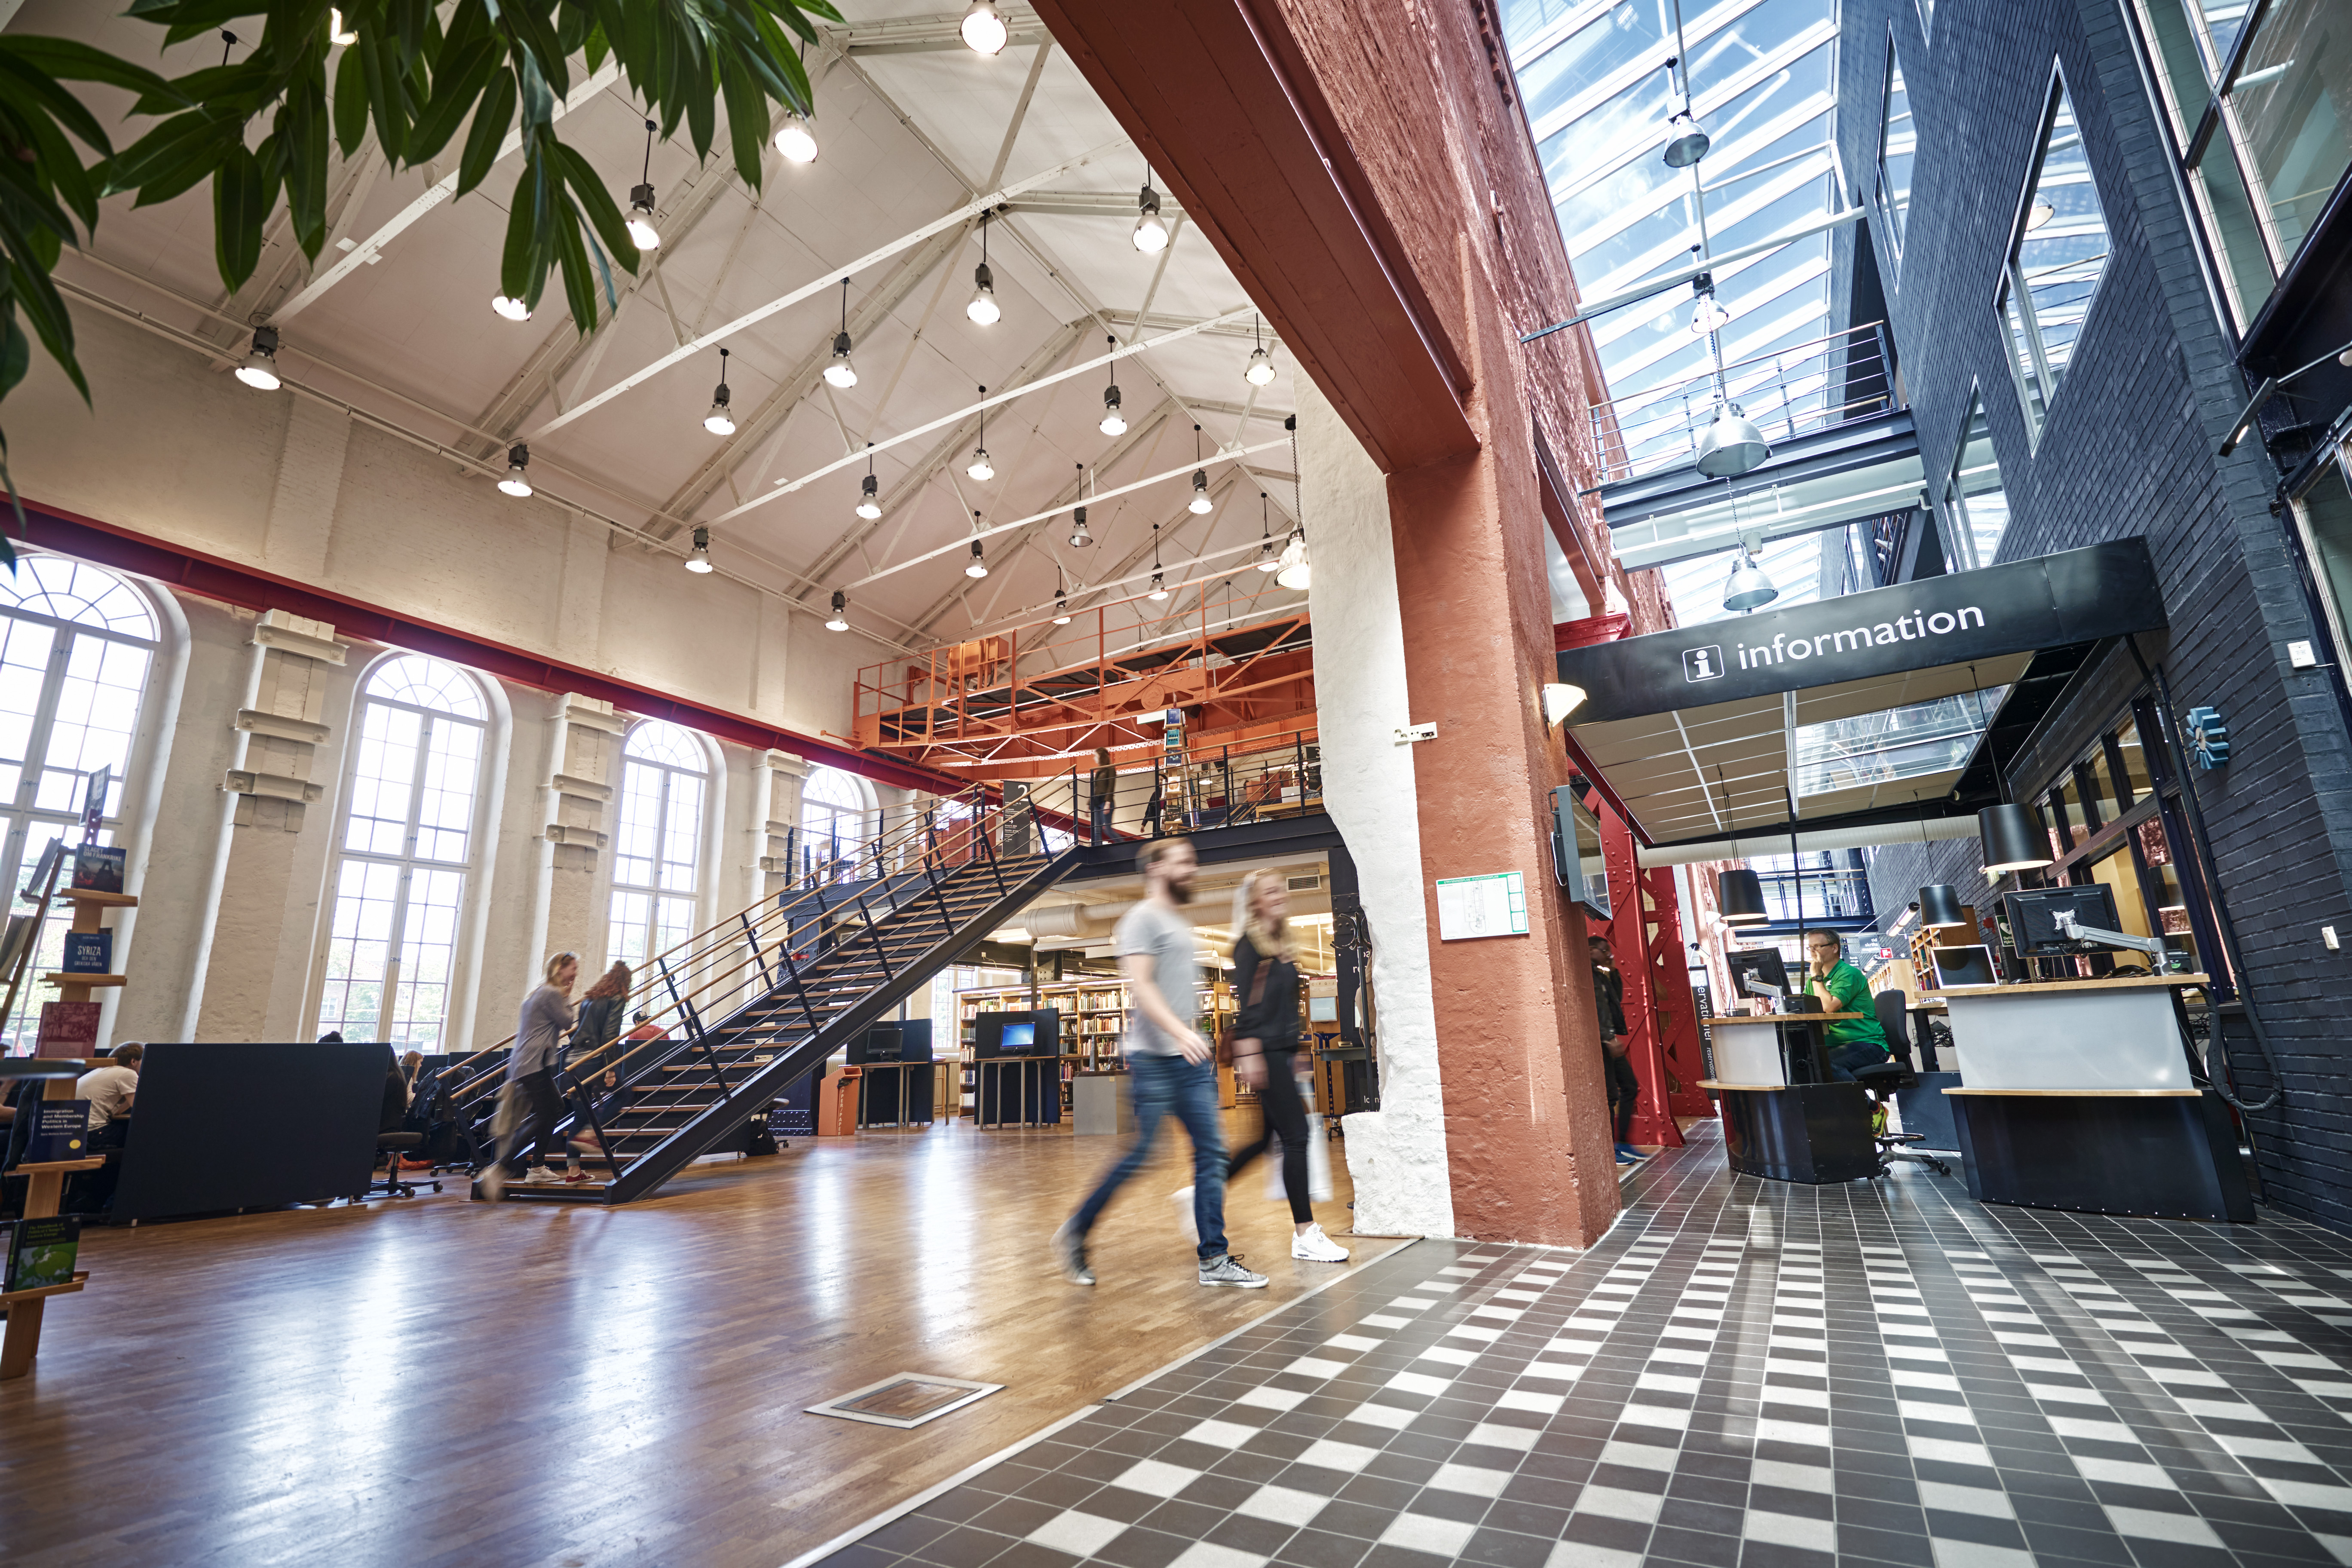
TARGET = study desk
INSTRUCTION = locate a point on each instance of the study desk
(1788, 1125)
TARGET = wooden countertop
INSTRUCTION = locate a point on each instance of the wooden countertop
(1782, 1017)
(2089, 1093)
(1751, 1087)
(2128, 982)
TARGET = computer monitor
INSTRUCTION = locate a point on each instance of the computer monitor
(2033, 929)
(1762, 964)
(1576, 851)
(1017, 1040)
(1036, 1033)
(1958, 966)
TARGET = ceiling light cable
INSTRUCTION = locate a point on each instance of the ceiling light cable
(1159, 588)
(642, 232)
(1267, 560)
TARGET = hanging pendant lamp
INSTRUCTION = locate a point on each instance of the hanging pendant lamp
(1748, 588)
(1731, 445)
(1939, 907)
(1740, 897)
(2011, 839)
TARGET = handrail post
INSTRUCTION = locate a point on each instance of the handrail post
(875, 936)
(758, 960)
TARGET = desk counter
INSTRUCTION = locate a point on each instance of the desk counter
(1747, 1047)
(2083, 1037)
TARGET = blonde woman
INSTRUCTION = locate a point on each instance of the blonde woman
(548, 1014)
(1266, 1045)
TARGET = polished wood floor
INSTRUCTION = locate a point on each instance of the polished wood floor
(441, 1381)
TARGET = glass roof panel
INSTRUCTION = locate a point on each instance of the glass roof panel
(1894, 743)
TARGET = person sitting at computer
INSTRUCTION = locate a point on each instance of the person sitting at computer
(1853, 1042)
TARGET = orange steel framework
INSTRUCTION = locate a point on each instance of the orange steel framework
(1032, 701)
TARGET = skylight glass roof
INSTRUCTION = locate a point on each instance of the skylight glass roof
(1763, 84)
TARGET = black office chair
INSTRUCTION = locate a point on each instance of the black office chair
(1881, 1083)
(1893, 1010)
(392, 1145)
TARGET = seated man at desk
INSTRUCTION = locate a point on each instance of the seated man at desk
(1853, 1042)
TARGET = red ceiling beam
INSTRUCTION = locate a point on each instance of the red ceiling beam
(211, 577)
(1219, 97)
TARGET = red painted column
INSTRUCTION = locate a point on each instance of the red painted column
(1670, 990)
(1631, 930)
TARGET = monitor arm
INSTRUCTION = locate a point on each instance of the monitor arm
(2075, 931)
(1761, 987)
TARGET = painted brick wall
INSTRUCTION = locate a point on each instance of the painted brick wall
(2128, 450)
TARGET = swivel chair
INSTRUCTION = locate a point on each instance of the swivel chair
(1880, 1082)
(391, 1146)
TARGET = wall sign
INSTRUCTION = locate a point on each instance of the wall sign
(2209, 738)
(1492, 905)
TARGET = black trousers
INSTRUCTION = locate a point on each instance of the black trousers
(1286, 1118)
(1625, 1088)
(535, 1117)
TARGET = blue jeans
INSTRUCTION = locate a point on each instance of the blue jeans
(1845, 1058)
(1165, 1087)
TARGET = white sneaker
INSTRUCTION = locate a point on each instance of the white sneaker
(1315, 1246)
(1182, 1198)
(492, 1181)
(540, 1174)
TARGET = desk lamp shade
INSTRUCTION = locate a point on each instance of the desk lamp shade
(2012, 842)
(1939, 907)
(1740, 897)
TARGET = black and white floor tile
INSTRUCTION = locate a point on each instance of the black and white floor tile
(1742, 1375)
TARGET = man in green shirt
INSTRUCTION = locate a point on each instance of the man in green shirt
(1853, 1042)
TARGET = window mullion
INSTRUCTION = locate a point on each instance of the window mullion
(44, 716)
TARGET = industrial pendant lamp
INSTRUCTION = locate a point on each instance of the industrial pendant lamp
(1748, 588)
(869, 493)
(982, 311)
(2010, 840)
(1740, 897)
(1151, 233)
(1079, 537)
(840, 372)
(1730, 445)
(983, 29)
(1268, 560)
(839, 620)
(1200, 504)
(796, 140)
(512, 309)
(1061, 600)
(980, 469)
(721, 420)
(698, 559)
(642, 232)
(1159, 588)
(1294, 570)
(1939, 907)
(1259, 372)
(1707, 314)
(2040, 213)
(259, 370)
(1114, 423)
(978, 566)
(1687, 143)
(517, 480)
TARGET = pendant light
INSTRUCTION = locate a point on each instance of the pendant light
(1061, 599)
(517, 480)
(698, 559)
(259, 370)
(2011, 839)
(721, 420)
(1114, 423)
(982, 28)
(1740, 897)
(1748, 588)
(1707, 312)
(1294, 570)
(1150, 234)
(982, 311)
(1687, 143)
(641, 202)
(1730, 445)
(840, 372)
(869, 493)
(978, 566)
(2040, 213)
(1268, 559)
(1200, 505)
(1259, 372)
(980, 469)
(512, 309)
(839, 620)
(796, 139)
(1939, 907)
(1079, 537)
(1159, 588)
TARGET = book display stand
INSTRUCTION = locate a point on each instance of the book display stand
(45, 1184)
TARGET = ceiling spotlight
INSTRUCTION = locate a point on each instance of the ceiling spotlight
(720, 421)
(796, 140)
(512, 309)
(641, 233)
(1295, 570)
(981, 468)
(1114, 423)
(1747, 588)
(839, 621)
(1687, 143)
(1061, 608)
(1159, 589)
(982, 311)
(517, 480)
(2040, 213)
(1200, 505)
(869, 493)
(984, 29)
(1079, 537)
(259, 370)
(1560, 699)
(338, 34)
(841, 373)
(1267, 560)
(1151, 233)
(1259, 372)
(978, 566)
(698, 559)
(1730, 445)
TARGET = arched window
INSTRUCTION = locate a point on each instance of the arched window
(834, 814)
(405, 852)
(656, 859)
(77, 644)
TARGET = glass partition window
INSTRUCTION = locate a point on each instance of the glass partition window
(1895, 744)
(2055, 261)
(1896, 146)
(2265, 146)
(1976, 503)
(657, 853)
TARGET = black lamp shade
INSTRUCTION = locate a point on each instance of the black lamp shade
(2012, 841)
(1939, 907)
(1740, 897)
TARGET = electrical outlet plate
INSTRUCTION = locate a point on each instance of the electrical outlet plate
(2300, 656)
(1416, 732)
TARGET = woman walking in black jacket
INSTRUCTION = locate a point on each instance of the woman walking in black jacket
(1266, 1045)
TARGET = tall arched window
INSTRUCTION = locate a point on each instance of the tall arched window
(76, 648)
(833, 824)
(656, 859)
(404, 853)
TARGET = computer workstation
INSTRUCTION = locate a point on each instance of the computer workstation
(1784, 1116)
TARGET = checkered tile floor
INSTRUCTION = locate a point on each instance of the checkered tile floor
(1742, 1375)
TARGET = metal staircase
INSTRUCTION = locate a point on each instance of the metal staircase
(755, 1002)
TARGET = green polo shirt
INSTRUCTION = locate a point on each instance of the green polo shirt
(1844, 990)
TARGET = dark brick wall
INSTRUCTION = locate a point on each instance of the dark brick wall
(2128, 449)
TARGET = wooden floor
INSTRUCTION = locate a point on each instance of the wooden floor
(443, 1382)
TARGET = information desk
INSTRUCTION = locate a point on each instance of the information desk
(1814, 1132)
(2077, 1095)
(1774, 1050)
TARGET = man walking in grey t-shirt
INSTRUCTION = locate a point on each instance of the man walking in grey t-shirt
(1171, 1065)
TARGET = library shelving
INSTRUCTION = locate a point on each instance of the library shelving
(1094, 1012)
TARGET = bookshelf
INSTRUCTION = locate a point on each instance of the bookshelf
(1094, 1020)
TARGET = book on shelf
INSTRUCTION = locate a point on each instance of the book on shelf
(97, 868)
(68, 1029)
(15, 941)
(88, 953)
(41, 1252)
(60, 1130)
(42, 868)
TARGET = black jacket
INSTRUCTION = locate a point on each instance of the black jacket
(1609, 999)
(1273, 1021)
(599, 1024)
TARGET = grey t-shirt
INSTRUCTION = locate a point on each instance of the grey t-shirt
(1166, 938)
(547, 1013)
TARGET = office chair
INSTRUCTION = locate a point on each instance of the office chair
(1880, 1083)
(392, 1145)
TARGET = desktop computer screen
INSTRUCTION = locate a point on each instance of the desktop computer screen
(1957, 966)
(1017, 1038)
(2034, 933)
(1760, 964)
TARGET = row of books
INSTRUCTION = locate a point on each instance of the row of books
(97, 868)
